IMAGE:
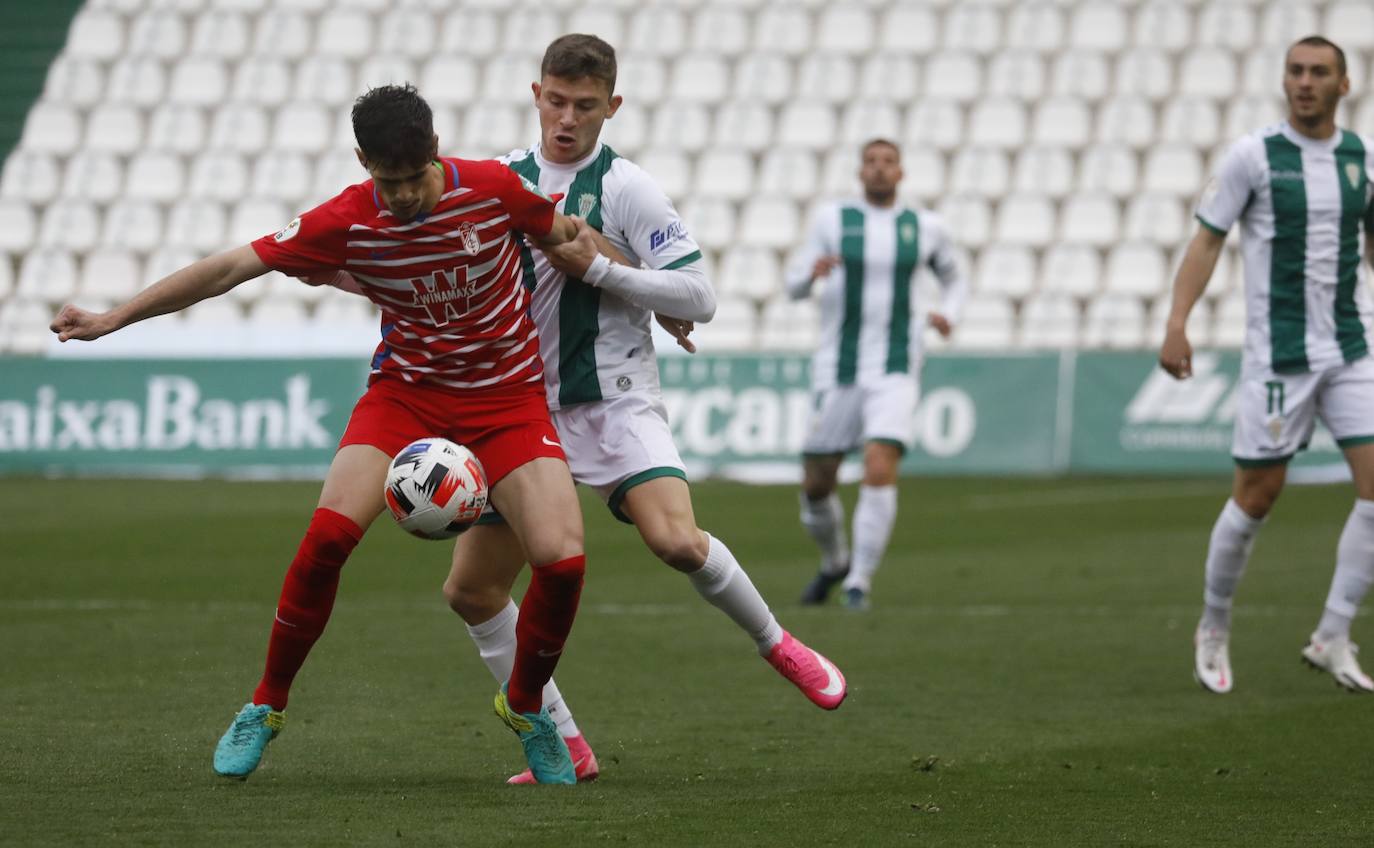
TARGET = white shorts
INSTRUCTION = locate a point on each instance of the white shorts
(1276, 413)
(845, 417)
(615, 444)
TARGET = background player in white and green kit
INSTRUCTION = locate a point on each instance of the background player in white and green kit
(1302, 194)
(865, 256)
(601, 374)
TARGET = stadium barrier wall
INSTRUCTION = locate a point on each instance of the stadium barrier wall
(742, 416)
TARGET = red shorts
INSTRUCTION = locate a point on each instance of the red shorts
(505, 428)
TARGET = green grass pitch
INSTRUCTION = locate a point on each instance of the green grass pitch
(1023, 679)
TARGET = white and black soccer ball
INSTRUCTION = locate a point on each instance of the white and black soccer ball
(435, 488)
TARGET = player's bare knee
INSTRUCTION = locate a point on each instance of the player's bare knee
(1257, 490)
(474, 603)
(681, 546)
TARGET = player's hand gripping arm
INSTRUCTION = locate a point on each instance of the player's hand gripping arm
(813, 260)
(564, 230)
(1176, 355)
(211, 276)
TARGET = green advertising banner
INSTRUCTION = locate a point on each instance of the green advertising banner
(1131, 417)
(742, 416)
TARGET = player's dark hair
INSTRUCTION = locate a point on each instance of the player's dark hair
(394, 126)
(1322, 41)
(576, 55)
(886, 142)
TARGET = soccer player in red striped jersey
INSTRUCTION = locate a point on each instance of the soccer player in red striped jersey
(436, 244)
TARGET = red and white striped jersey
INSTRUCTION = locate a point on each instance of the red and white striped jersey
(450, 285)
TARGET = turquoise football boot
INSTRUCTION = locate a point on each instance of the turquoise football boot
(545, 750)
(240, 748)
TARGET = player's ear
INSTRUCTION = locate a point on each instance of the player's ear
(434, 146)
(362, 160)
(616, 100)
(534, 87)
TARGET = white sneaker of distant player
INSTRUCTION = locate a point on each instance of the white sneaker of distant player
(1212, 660)
(1337, 658)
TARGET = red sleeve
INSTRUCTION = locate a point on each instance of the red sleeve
(313, 242)
(531, 211)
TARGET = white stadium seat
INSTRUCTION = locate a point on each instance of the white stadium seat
(1284, 22)
(712, 222)
(324, 80)
(596, 18)
(769, 222)
(782, 28)
(1074, 270)
(1158, 218)
(47, 274)
(969, 219)
(6, 285)
(1351, 24)
(887, 78)
(345, 32)
(139, 80)
(1043, 170)
(808, 125)
(988, 323)
(301, 127)
(1136, 268)
(789, 325)
(506, 80)
(286, 313)
(93, 175)
(1144, 72)
(1173, 169)
(1108, 168)
(1089, 218)
(407, 32)
(909, 30)
(114, 129)
(389, 69)
(671, 170)
(219, 176)
(844, 29)
(956, 76)
(1126, 120)
(735, 327)
(1207, 72)
(724, 173)
(1026, 220)
(980, 171)
(764, 77)
(1050, 320)
(489, 129)
(281, 176)
(34, 177)
(74, 81)
(1163, 24)
(133, 225)
(476, 34)
(220, 34)
(752, 273)
(997, 123)
(1099, 27)
(653, 30)
(640, 79)
(1016, 73)
(925, 173)
(864, 121)
(788, 172)
(110, 274)
(52, 128)
(157, 33)
(1035, 26)
(254, 218)
(1061, 122)
(284, 34)
(196, 224)
(1364, 117)
(1225, 24)
(719, 29)
(1081, 74)
(975, 27)
(699, 79)
(840, 174)
(449, 80)
(1114, 321)
(827, 77)
(177, 129)
(685, 127)
(240, 128)
(155, 176)
(72, 224)
(1005, 270)
(628, 132)
(744, 125)
(24, 326)
(1191, 120)
(263, 80)
(18, 226)
(934, 123)
(96, 35)
(1228, 322)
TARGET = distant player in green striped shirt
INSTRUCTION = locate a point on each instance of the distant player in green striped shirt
(864, 257)
(1302, 194)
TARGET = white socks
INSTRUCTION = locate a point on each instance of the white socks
(1233, 537)
(1354, 572)
(824, 521)
(873, 519)
(495, 640)
(725, 586)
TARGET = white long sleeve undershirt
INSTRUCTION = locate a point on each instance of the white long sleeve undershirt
(683, 293)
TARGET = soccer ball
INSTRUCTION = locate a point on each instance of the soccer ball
(435, 489)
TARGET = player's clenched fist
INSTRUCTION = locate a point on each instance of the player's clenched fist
(76, 323)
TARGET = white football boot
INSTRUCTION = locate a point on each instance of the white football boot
(1212, 659)
(1337, 658)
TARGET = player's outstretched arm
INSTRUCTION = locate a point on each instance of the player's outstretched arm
(211, 276)
(564, 230)
(1176, 355)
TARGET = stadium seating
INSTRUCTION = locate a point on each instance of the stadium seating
(1062, 143)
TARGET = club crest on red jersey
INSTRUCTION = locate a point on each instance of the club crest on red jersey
(472, 242)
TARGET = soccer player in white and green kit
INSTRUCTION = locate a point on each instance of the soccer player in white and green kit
(865, 256)
(602, 383)
(1302, 194)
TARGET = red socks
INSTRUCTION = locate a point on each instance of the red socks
(546, 616)
(307, 598)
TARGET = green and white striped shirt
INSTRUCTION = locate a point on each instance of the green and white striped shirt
(1305, 210)
(870, 325)
(595, 344)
